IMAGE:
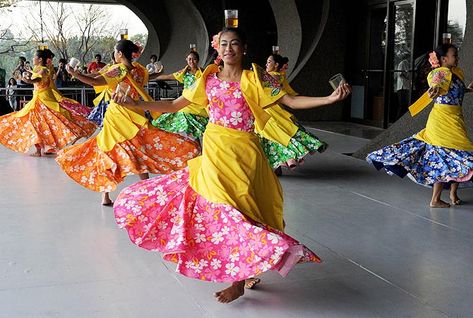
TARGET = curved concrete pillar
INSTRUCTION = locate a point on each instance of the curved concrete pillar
(305, 58)
(289, 28)
(152, 44)
(187, 26)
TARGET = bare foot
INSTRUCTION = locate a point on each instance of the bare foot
(455, 200)
(439, 204)
(106, 199)
(50, 151)
(250, 283)
(36, 154)
(231, 293)
(278, 171)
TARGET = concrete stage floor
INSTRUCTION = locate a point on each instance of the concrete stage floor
(385, 252)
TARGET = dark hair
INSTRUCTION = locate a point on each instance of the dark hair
(443, 49)
(64, 61)
(43, 55)
(127, 48)
(280, 60)
(98, 55)
(113, 56)
(196, 55)
(153, 56)
(241, 35)
(49, 53)
(14, 81)
(22, 58)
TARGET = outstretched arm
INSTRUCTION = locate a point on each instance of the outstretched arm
(97, 80)
(161, 77)
(306, 102)
(162, 106)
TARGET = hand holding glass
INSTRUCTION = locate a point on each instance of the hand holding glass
(336, 80)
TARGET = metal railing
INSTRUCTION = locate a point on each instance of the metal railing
(86, 94)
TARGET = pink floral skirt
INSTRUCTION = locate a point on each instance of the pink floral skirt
(208, 241)
(75, 107)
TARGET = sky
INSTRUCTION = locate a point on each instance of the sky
(118, 13)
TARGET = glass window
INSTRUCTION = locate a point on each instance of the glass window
(456, 20)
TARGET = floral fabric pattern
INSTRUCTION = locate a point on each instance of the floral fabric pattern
(42, 125)
(188, 125)
(227, 106)
(424, 163)
(301, 144)
(75, 107)
(151, 150)
(208, 241)
(455, 94)
(98, 113)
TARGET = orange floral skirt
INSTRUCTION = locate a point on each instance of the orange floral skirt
(44, 126)
(151, 150)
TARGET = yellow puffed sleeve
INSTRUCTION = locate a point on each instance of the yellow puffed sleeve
(196, 93)
(179, 75)
(440, 77)
(269, 89)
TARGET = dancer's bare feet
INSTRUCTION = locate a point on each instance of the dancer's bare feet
(439, 204)
(106, 199)
(37, 153)
(250, 283)
(231, 293)
(455, 200)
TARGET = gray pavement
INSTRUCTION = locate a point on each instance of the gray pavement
(386, 254)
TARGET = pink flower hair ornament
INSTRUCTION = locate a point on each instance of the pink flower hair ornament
(216, 44)
(433, 60)
(136, 55)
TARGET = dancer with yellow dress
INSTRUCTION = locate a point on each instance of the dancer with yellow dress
(298, 142)
(43, 122)
(127, 144)
(221, 219)
(441, 155)
(191, 120)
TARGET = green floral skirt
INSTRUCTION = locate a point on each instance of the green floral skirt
(184, 124)
(301, 144)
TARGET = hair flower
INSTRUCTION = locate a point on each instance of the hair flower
(215, 40)
(433, 60)
(136, 55)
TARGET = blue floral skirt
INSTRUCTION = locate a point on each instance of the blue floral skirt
(97, 114)
(424, 163)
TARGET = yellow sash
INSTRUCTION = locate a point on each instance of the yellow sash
(121, 123)
(446, 128)
(233, 170)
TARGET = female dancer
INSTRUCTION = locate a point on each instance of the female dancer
(43, 122)
(299, 142)
(127, 144)
(102, 100)
(441, 154)
(191, 120)
(67, 103)
(220, 219)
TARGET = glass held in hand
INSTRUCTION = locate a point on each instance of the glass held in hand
(336, 80)
(73, 62)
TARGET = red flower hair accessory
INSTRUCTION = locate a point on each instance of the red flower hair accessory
(136, 55)
(433, 60)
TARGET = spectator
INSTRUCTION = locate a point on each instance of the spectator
(154, 66)
(11, 94)
(62, 77)
(95, 66)
(19, 69)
